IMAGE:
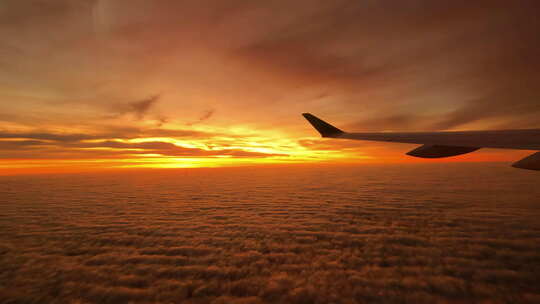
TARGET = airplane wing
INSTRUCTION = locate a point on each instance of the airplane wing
(446, 144)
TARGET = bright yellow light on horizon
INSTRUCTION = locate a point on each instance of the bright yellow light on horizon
(226, 149)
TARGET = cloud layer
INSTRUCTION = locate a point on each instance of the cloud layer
(371, 234)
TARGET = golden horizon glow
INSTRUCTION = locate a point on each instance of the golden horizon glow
(223, 147)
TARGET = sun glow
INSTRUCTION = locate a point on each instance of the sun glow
(222, 149)
(219, 147)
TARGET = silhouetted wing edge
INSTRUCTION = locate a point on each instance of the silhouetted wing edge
(446, 144)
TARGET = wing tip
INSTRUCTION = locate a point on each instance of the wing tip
(324, 128)
(531, 162)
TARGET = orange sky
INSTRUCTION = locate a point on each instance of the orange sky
(87, 85)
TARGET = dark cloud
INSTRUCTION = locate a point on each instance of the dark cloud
(49, 136)
(205, 116)
(25, 14)
(139, 109)
(402, 122)
(110, 133)
(515, 106)
(175, 133)
(514, 102)
(410, 50)
(170, 149)
(73, 148)
(50, 145)
(19, 144)
(130, 132)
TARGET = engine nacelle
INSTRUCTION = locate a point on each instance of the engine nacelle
(438, 151)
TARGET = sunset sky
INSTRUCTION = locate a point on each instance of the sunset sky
(138, 83)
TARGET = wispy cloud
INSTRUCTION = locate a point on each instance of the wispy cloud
(78, 146)
(205, 116)
(137, 109)
(140, 108)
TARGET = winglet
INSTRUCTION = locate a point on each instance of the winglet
(326, 129)
(531, 162)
